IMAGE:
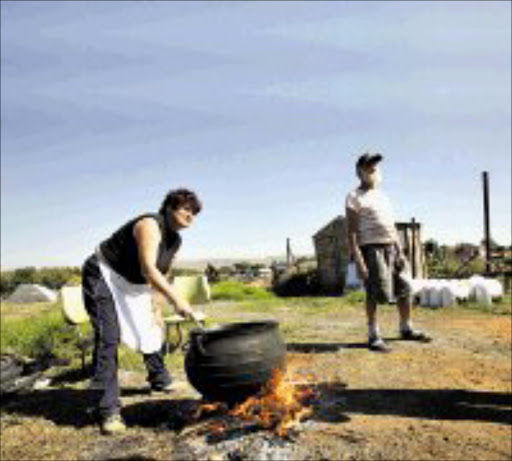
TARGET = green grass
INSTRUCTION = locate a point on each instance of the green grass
(32, 329)
(238, 291)
(307, 305)
(34, 334)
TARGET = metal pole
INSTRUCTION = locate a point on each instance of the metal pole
(487, 236)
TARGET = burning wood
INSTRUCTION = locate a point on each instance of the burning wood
(208, 408)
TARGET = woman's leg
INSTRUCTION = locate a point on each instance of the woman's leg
(99, 304)
(158, 376)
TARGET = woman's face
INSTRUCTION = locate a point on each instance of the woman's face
(183, 216)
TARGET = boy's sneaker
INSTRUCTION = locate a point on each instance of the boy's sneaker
(415, 335)
(377, 344)
(113, 424)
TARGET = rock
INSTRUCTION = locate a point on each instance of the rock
(32, 293)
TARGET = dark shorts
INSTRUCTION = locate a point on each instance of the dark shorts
(387, 281)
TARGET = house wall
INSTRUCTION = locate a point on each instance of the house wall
(332, 256)
(410, 239)
(331, 248)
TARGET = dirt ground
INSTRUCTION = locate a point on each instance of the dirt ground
(449, 399)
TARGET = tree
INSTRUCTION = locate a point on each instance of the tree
(24, 275)
(493, 245)
(431, 248)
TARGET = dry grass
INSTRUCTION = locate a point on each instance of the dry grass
(450, 399)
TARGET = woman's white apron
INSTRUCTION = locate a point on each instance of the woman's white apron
(135, 312)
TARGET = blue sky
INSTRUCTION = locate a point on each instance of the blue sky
(261, 107)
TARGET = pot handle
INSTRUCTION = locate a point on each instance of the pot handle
(168, 346)
(199, 344)
(185, 346)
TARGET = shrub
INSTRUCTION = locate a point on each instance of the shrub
(298, 284)
(7, 284)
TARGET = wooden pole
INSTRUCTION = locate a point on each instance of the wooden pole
(288, 253)
(413, 247)
(487, 236)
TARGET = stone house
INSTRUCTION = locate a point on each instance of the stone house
(331, 249)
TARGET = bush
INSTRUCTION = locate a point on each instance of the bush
(298, 284)
(56, 277)
(6, 283)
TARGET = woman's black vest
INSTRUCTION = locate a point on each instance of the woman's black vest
(121, 251)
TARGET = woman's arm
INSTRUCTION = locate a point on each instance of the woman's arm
(148, 236)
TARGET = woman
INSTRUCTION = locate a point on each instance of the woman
(117, 282)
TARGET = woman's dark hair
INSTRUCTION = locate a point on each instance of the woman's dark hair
(178, 198)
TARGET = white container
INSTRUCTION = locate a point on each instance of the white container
(434, 294)
(424, 295)
(482, 294)
(447, 295)
(495, 288)
(462, 290)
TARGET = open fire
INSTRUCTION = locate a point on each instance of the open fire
(281, 405)
(265, 426)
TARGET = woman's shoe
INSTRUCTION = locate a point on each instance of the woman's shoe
(166, 388)
(113, 424)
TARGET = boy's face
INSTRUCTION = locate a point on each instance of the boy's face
(183, 216)
(370, 175)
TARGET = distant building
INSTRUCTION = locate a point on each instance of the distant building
(331, 249)
(332, 253)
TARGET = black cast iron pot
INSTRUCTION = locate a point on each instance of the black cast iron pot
(232, 362)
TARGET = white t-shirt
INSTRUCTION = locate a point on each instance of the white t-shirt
(376, 217)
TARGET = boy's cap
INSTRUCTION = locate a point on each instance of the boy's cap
(368, 159)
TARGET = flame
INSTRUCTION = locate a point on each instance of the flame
(280, 406)
(218, 427)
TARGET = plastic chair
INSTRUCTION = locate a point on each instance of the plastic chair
(75, 314)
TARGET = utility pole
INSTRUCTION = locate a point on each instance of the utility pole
(289, 255)
(413, 247)
(487, 235)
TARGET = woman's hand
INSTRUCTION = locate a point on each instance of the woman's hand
(148, 236)
(183, 308)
